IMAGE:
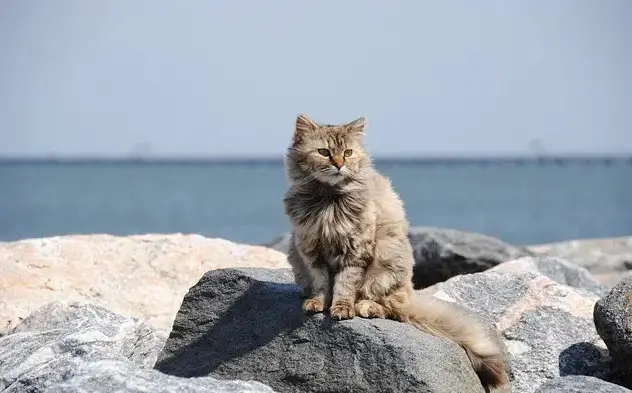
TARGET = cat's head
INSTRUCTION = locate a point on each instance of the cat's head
(328, 153)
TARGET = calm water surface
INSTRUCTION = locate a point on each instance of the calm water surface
(242, 202)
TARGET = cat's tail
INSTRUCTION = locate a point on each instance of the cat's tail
(442, 319)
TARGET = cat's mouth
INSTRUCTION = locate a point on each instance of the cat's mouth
(331, 176)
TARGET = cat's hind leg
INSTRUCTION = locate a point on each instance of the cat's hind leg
(388, 280)
(370, 309)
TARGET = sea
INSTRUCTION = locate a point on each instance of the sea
(519, 201)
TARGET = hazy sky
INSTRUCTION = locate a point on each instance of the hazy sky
(221, 78)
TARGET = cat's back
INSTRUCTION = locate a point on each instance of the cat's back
(388, 204)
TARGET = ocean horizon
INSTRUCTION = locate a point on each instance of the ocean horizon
(521, 199)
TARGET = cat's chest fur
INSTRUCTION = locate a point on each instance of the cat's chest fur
(328, 226)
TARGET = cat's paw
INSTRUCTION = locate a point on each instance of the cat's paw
(369, 309)
(342, 311)
(312, 305)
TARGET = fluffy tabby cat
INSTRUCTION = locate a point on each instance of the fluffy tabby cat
(349, 248)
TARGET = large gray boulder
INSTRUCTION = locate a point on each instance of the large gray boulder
(613, 320)
(82, 347)
(580, 384)
(247, 324)
(442, 253)
(547, 327)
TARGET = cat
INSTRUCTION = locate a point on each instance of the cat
(349, 249)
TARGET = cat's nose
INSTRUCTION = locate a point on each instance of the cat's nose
(338, 162)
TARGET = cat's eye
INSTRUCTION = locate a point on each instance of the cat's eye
(323, 152)
(348, 153)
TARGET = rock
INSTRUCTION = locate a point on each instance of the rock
(248, 324)
(143, 276)
(580, 384)
(613, 320)
(50, 342)
(79, 348)
(609, 260)
(111, 376)
(557, 269)
(547, 327)
(443, 253)
(281, 243)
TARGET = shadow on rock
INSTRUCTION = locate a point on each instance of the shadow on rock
(252, 321)
(587, 359)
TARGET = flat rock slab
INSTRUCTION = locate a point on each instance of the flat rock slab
(547, 327)
(613, 320)
(144, 276)
(609, 259)
(247, 324)
(580, 384)
(557, 269)
(86, 348)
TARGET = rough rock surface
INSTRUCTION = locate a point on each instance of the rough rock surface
(111, 376)
(557, 269)
(580, 384)
(443, 253)
(139, 276)
(50, 342)
(547, 327)
(609, 260)
(613, 320)
(247, 324)
(80, 348)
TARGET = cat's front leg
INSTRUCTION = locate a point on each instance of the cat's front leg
(346, 285)
(312, 277)
(318, 296)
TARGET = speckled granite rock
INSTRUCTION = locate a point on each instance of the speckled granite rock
(247, 324)
(557, 269)
(613, 320)
(107, 376)
(547, 326)
(143, 276)
(609, 260)
(580, 384)
(85, 348)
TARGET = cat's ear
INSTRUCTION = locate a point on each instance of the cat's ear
(356, 126)
(304, 125)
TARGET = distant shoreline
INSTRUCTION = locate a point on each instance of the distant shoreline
(560, 160)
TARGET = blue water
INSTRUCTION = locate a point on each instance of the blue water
(242, 202)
